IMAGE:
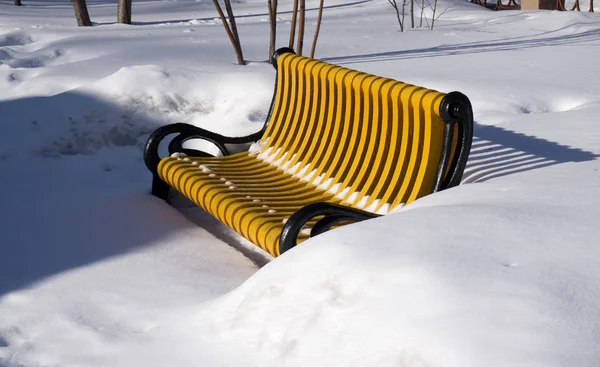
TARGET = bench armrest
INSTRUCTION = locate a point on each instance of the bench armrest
(332, 214)
(187, 132)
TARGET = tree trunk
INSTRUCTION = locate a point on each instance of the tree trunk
(412, 13)
(81, 13)
(301, 26)
(18, 3)
(433, 15)
(314, 45)
(235, 43)
(394, 5)
(124, 12)
(273, 22)
(403, 13)
(293, 29)
(576, 6)
(233, 25)
(591, 10)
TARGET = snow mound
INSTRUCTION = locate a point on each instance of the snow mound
(459, 295)
(209, 100)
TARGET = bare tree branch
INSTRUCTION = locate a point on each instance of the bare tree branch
(232, 23)
(293, 28)
(434, 18)
(433, 15)
(235, 43)
(412, 13)
(395, 6)
(301, 26)
(272, 4)
(403, 11)
(314, 45)
(576, 6)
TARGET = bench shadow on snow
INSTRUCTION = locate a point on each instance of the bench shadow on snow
(498, 152)
(221, 231)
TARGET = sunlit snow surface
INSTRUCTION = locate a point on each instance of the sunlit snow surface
(501, 271)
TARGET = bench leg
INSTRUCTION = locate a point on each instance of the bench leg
(160, 188)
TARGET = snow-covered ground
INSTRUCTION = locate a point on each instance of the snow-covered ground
(501, 271)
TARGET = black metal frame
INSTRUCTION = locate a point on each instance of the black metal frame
(455, 109)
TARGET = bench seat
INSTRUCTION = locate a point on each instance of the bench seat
(247, 194)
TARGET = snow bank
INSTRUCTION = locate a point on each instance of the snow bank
(442, 284)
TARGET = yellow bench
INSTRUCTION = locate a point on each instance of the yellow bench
(338, 146)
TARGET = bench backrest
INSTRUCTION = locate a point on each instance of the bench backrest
(375, 143)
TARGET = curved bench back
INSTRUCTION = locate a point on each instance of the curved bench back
(375, 143)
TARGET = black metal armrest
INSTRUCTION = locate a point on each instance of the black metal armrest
(176, 145)
(332, 213)
(455, 109)
(187, 132)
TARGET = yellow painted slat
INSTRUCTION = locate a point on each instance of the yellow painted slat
(431, 146)
(385, 156)
(354, 117)
(308, 109)
(318, 114)
(294, 124)
(409, 147)
(278, 127)
(342, 150)
(375, 140)
(331, 130)
(363, 149)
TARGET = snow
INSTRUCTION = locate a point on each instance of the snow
(501, 271)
